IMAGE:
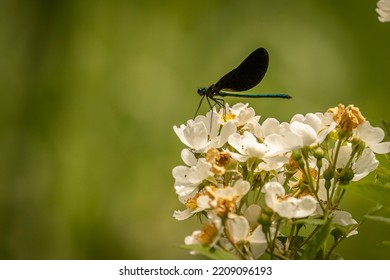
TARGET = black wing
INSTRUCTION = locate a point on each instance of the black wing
(247, 75)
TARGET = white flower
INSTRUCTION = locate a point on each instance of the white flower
(383, 9)
(278, 140)
(361, 167)
(272, 163)
(278, 137)
(312, 128)
(372, 136)
(194, 135)
(213, 121)
(183, 215)
(273, 126)
(345, 219)
(240, 233)
(247, 146)
(201, 134)
(209, 235)
(241, 114)
(192, 239)
(306, 133)
(288, 207)
(187, 178)
(224, 200)
(364, 165)
(196, 203)
(236, 192)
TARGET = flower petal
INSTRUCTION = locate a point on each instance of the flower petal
(288, 207)
(381, 148)
(182, 215)
(196, 135)
(369, 134)
(306, 133)
(252, 214)
(188, 157)
(228, 129)
(258, 242)
(238, 228)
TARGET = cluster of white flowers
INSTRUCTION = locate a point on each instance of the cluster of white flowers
(248, 182)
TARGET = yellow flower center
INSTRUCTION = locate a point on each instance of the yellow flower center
(227, 117)
(207, 235)
(191, 202)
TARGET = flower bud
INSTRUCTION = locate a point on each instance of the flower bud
(328, 174)
(358, 146)
(265, 218)
(319, 153)
(296, 155)
(346, 176)
(267, 210)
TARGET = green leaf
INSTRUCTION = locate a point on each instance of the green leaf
(375, 192)
(316, 244)
(382, 175)
(215, 253)
(378, 218)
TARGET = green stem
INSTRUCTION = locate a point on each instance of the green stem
(272, 240)
(305, 241)
(289, 239)
(335, 244)
(329, 204)
(281, 257)
(310, 181)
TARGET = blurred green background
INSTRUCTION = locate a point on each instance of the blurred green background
(90, 91)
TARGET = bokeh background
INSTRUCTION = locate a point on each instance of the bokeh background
(90, 91)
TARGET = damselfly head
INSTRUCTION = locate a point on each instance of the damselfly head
(204, 91)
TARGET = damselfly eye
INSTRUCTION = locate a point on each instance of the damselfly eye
(202, 91)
